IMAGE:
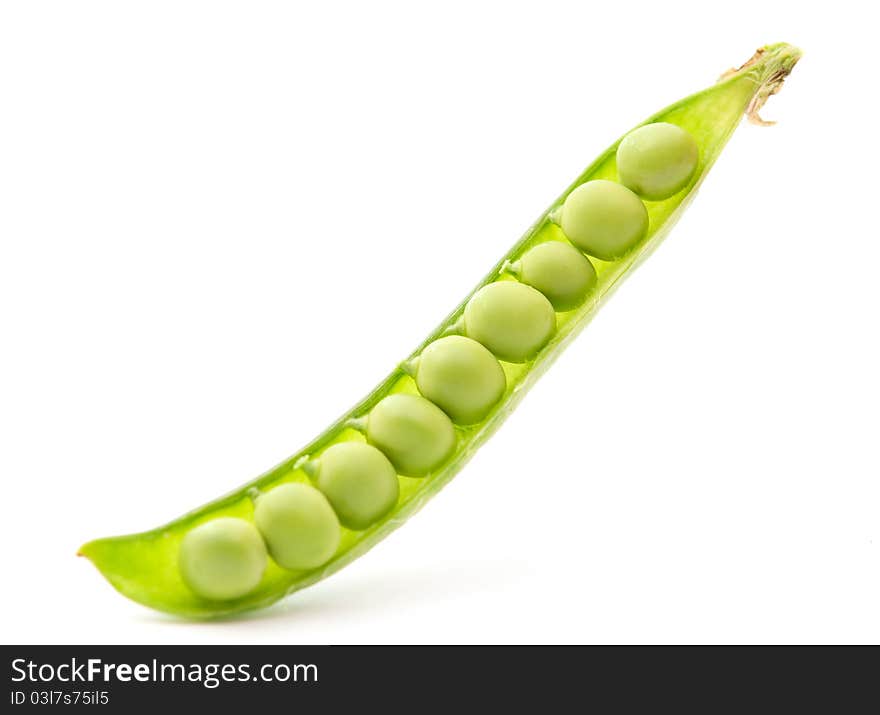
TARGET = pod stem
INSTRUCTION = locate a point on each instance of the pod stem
(769, 66)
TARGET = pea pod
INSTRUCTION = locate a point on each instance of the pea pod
(460, 383)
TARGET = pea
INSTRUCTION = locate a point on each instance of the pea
(359, 482)
(657, 160)
(604, 219)
(298, 524)
(461, 377)
(415, 434)
(561, 272)
(456, 376)
(510, 318)
(223, 558)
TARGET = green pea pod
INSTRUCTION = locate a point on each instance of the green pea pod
(146, 567)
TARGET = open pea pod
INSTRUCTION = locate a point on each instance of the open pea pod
(356, 493)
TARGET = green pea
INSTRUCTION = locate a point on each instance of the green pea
(223, 558)
(561, 272)
(657, 160)
(415, 434)
(510, 318)
(461, 377)
(359, 482)
(457, 374)
(298, 524)
(604, 219)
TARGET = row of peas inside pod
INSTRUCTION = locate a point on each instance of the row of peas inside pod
(355, 484)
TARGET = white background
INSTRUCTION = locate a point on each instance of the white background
(221, 223)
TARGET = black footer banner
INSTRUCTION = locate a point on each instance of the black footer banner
(407, 678)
